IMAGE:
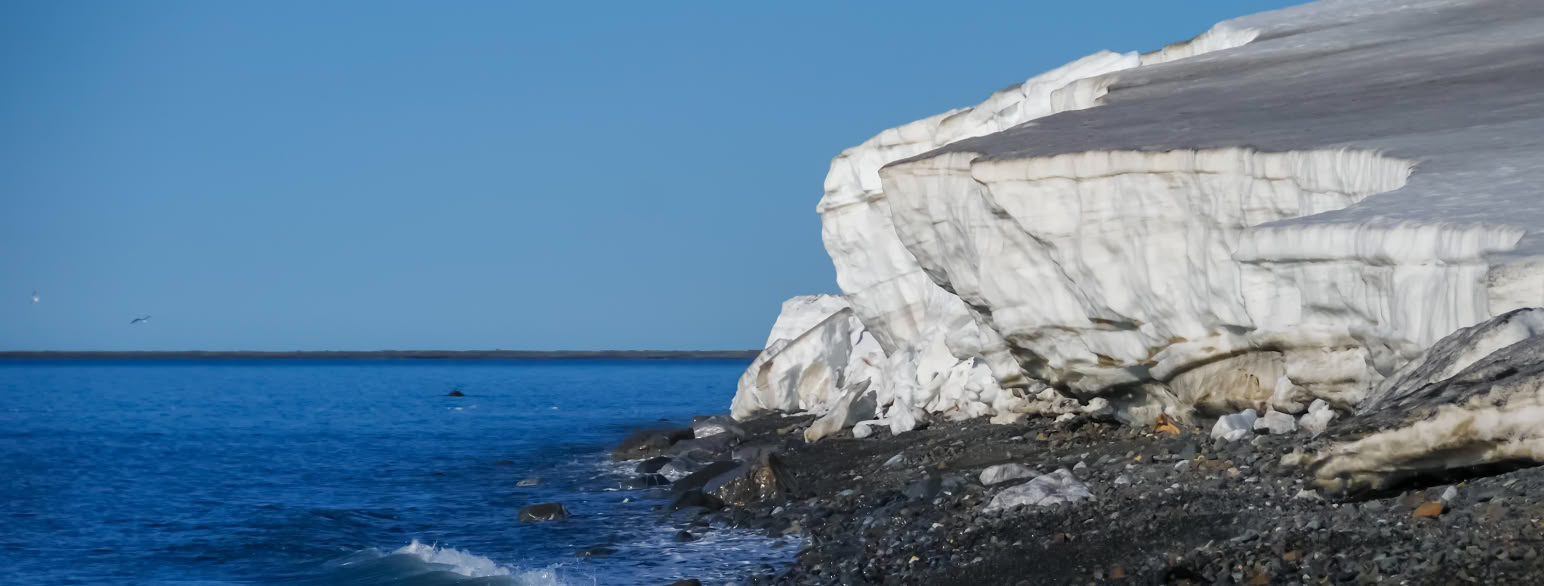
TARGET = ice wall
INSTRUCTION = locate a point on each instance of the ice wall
(1292, 205)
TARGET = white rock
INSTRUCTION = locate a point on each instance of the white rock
(895, 460)
(1229, 426)
(1051, 489)
(1317, 419)
(1449, 494)
(1308, 495)
(1000, 473)
(1275, 422)
(856, 406)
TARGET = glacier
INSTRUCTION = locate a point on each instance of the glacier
(1288, 210)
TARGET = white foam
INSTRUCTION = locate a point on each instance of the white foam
(475, 566)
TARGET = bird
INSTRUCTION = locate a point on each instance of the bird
(35, 297)
(139, 320)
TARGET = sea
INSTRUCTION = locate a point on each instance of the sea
(344, 472)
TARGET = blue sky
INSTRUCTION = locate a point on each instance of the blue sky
(468, 175)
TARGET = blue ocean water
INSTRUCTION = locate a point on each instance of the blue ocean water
(344, 472)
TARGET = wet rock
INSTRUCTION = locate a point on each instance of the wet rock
(532, 481)
(644, 481)
(705, 449)
(1055, 488)
(543, 512)
(687, 582)
(712, 425)
(754, 482)
(1001, 473)
(455, 393)
(597, 551)
(699, 480)
(652, 465)
(694, 498)
(684, 536)
(648, 443)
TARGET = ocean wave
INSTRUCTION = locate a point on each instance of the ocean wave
(420, 564)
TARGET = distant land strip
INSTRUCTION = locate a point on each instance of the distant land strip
(394, 354)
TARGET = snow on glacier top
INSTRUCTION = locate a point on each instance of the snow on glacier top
(1457, 86)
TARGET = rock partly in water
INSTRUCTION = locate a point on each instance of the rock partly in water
(543, 512)
(712, 425)
(597, 551)
(648, 443)
(758, 481)
(652, 465)
(644, 481)
(533, 481)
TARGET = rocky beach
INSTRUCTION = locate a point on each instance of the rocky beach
(1092, 501)
(1259, 307)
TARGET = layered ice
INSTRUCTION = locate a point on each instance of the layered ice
(1475, 398)
(1289, 208)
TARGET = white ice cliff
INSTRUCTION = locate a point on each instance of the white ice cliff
(1290, 207)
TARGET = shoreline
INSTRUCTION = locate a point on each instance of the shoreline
(385, 355)
(1161, 508)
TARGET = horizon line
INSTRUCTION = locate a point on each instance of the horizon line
(410, 354)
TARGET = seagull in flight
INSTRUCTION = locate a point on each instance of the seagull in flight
(140, 320)
(35, 297)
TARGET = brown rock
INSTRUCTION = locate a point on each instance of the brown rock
(1427, 511)
(1163, 425)
(1292, 556)
(1117, 573)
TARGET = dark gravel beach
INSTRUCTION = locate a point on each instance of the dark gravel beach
(1163, 508)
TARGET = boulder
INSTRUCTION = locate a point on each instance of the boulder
(1001, 473)
(648, 443)
(1236, 426)
(1275, 422)
(694, 498)
(1055, 488)
(644, 481)
(711, 425)
(758, 481)
(652, 465)
(699, 480)
(1317, 419)
(858, 405)
(543, 512)
(705, 449)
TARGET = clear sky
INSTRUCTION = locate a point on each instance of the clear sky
(468, 175)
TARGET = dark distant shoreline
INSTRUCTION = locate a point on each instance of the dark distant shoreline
(393, 354)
